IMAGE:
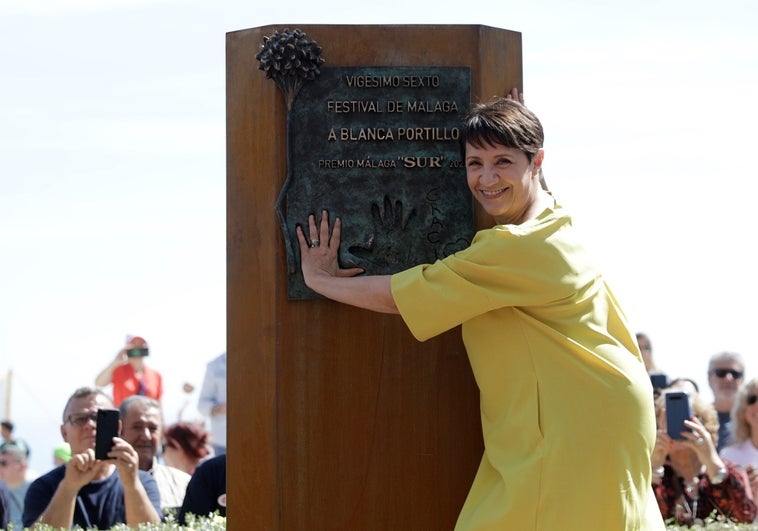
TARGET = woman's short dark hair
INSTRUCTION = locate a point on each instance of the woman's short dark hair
(505, 122)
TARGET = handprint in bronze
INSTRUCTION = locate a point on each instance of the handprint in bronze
(386, 247)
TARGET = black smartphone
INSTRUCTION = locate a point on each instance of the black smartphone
(107, 429)
(678, 410)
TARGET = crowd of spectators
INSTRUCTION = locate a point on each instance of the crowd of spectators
(149, 468)
(709, 468)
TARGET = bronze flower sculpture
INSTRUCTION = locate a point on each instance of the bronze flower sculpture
(290, 58)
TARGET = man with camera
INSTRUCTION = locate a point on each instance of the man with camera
(129, 373)
(87, 491)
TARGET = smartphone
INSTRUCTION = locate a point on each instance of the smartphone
(107, 429)
(678, 410)
(659, 381)
(137, 352)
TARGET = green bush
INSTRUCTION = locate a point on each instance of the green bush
(715, 523)
(218, 523)
(195, 523)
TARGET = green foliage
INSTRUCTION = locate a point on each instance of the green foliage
(714, 523)
(213, 522)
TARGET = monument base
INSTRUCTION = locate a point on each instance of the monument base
(338, 417)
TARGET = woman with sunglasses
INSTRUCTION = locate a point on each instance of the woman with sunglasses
(690, 480)
(744, 449)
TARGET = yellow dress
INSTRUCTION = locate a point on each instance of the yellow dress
(566, 402)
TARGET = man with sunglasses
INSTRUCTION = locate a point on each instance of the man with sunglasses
(726, 371)
(90, 492)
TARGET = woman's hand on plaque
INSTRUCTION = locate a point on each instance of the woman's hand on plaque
(319, 252)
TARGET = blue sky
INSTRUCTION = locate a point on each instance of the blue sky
(112, 157)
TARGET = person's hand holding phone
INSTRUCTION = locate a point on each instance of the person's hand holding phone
(699, 439)
(127, 462)
(81, 469)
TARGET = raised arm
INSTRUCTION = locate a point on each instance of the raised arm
(106, 375)
(322, 273)
(137, 502)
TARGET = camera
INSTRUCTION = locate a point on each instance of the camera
(136, 352)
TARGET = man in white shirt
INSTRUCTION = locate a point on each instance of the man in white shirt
(142, 427)
(212, 401)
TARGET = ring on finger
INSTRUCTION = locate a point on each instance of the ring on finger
(315, 243)
(699, 441)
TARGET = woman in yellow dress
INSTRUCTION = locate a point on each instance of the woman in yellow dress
(566, 403)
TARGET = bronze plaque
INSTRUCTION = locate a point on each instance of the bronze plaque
(378, 147)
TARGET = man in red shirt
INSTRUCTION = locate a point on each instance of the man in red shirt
(130, 375)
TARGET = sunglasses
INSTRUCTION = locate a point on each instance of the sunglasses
(80, 420)
(752, 399)
(721, 373)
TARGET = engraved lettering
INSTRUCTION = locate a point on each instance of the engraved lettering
(422, 162)
(432, 106)
(336, 164)
(366, 133)
(428, 133)
(433, 232)
(350, 106)
(421, 81)
(369, 81)
(395, 106)
(381, 163)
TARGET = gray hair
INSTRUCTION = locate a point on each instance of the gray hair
(138, 399)
(727, 356)
(84, 392)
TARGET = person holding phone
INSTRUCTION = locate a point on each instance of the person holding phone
(90, 492)
(566, 402)
(690, 480)
(129, 373)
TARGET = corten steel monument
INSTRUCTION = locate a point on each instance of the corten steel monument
(338, 417)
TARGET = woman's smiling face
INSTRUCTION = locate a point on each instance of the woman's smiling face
(503, 180)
